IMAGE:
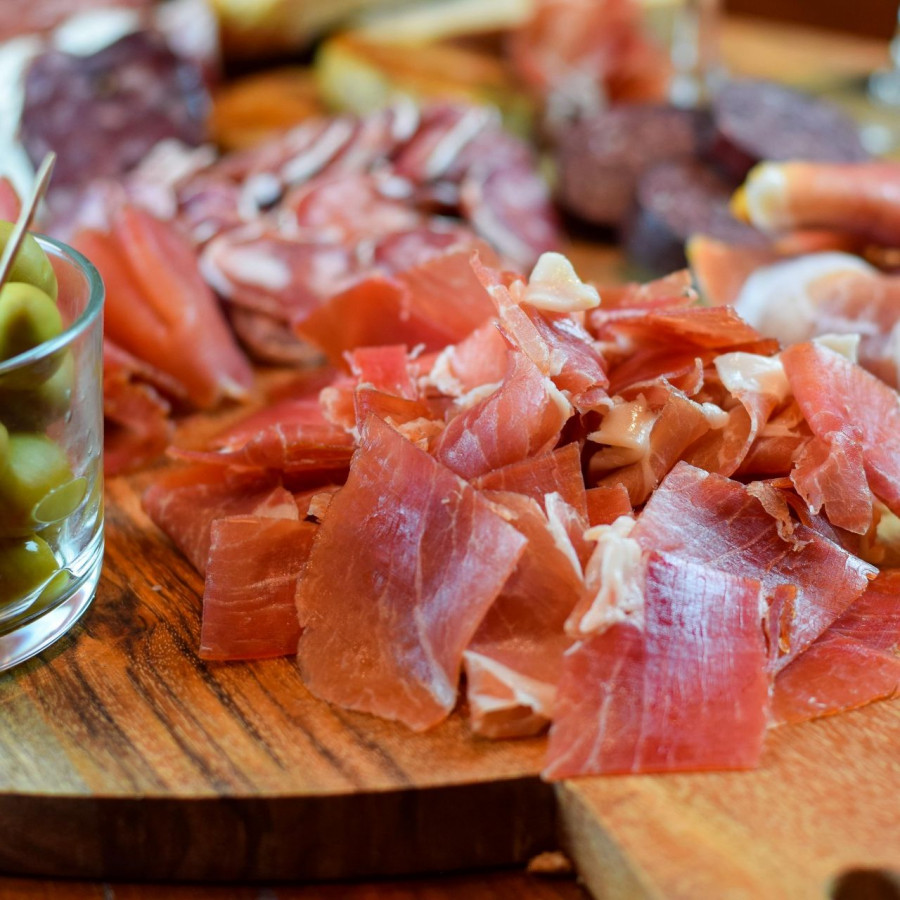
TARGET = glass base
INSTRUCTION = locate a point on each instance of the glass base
(39, 631)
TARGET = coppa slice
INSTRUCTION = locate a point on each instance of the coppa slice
(688, 690)
(713, 520)
(249, 608)
(405, 565)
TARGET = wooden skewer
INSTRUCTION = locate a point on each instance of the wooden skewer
(26, 214)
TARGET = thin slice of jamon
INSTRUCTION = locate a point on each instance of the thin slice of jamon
(837, 396)
(687, 690)
(185, 501)
(483, 437)
(477, 360)
(404, 567)
(835, 674)
(775, 447)
(671, 291)
(515, 659)
(536, 318)
(875, 618)
(159, 309)
(387, 369)
(434, 304)
(645, 441)
(557, 472)
(249, 602)
(292, 436)
(137, 426)
(606, 504)
(716, 521)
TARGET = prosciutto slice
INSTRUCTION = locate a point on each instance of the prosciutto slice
(514, 661)
(682, 687)
(249, 608)
(807, 582)
(403, 569)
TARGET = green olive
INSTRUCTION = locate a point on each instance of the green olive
(31, 264)
(36, 467)
(28, 318)
(34, 408)
(27, 565)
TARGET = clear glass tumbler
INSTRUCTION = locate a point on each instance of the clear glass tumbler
(51, 468)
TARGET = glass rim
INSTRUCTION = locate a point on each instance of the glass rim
(85, 319)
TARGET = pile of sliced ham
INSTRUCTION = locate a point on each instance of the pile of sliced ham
(342, 232)
(632, 519)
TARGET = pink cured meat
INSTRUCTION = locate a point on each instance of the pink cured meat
(606, 504)
(434, 304)
(404, 567)
(185, 502)
(835, 674)
(557, 472)
(875, 618)
(715, 521)
(249, 606)
(514, 661)
(291, 436)
(688, 691)
(481, 439)
(387, 369)
(402, 250)
(837, 396)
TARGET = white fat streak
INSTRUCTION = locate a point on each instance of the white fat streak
(752, 373)
(715, 415)
(476, 395)
(211, 270)
(311, 159)
(441, 374)
(616, 567)
(250, 265)
(191, 28)
(449, 146)
(259, 190)
(558, 512)
(777, 299)
(555, 286)
(538, 696)
(628, 424)
(559, 398)
(764, 193)
(405, 120)
(845, 344)
(89, 32)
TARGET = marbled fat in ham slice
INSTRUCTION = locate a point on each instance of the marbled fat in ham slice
(522, 418)
(404, 567)
(514, 661)
(686, 689)
(716, 521)
(838, 397)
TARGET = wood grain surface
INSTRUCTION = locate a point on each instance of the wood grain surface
(825, 803)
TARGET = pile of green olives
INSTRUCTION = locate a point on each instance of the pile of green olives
(37, 487)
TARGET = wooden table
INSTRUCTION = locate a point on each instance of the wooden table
(823, 803)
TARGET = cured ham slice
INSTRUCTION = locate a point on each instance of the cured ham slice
(715, 521)
(875, 618)
(403, 569)
(137, 426)
(480, 439)
(159, 309)
(858, 197)
(434, 304)
(249, 606)
(557, 472)
(515, 658)
(835, 674)
(185, 502)
(685, 688)
(606, 504)
(837, 397)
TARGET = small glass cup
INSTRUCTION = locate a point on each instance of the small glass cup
(51, 518)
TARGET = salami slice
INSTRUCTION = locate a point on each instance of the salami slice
(602, 158)
(676, 200)
(757, 120)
